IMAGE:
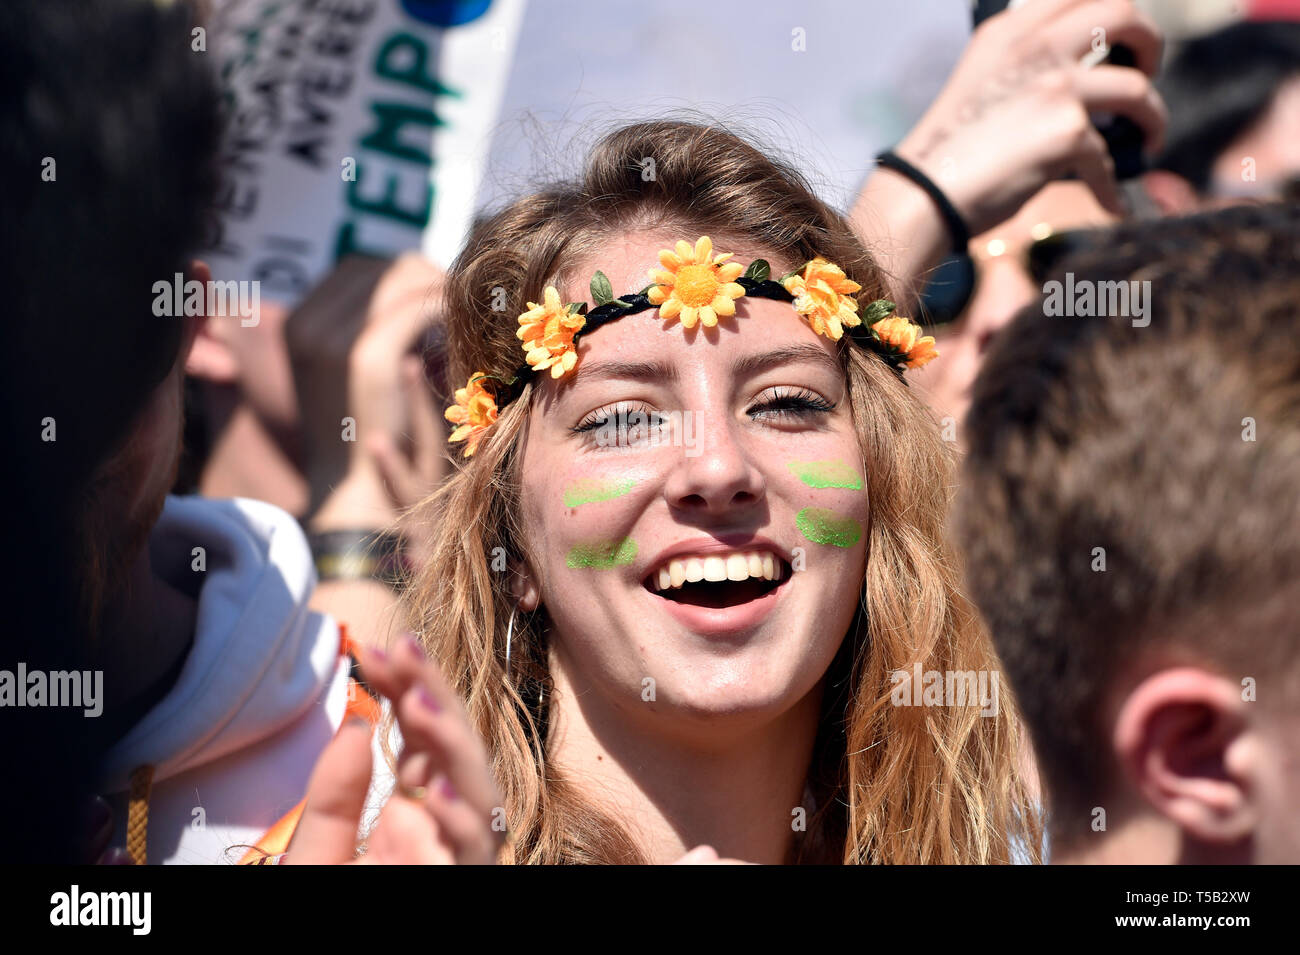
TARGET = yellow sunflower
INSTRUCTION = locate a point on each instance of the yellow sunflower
(474, 412)
(905, 337)
(693, 285)
(823, 295)
(547, 332)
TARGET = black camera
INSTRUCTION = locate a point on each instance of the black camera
(1123, 136)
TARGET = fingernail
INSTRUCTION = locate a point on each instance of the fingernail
(414, 645)
(377, 653)
(427, 701)
(447, 790)
(116, 857)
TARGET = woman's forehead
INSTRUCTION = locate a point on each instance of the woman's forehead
(759, 325)
(627, 258)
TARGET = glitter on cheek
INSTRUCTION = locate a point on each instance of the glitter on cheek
(592, 490)
(825, 474)
(602, 554)
(824, 526)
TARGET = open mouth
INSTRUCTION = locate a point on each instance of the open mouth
(719, 580)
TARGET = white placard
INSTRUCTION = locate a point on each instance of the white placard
(353, 125)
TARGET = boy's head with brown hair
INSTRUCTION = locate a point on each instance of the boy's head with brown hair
(1130, 518)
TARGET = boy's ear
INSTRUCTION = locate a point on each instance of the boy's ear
(208, 356)
(1184, 740)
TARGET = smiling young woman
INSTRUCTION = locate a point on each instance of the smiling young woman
(666, 642)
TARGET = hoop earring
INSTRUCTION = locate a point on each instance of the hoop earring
(510, 632)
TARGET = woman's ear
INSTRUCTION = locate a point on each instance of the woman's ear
(208, 355)
(523, 587)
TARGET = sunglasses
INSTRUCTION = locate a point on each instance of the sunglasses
(952, 283)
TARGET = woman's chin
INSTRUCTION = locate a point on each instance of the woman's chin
(749, 687)
(720, 708)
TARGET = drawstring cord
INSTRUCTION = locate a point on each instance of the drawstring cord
(137, 814)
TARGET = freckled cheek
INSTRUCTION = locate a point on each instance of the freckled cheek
(832, 523)
(828, 505)
(592, 512)
(828, 540)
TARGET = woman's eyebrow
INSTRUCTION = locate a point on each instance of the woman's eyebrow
(786, 355)
(626, 370)
(745, 366)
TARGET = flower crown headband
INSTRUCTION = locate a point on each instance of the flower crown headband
(693, 286)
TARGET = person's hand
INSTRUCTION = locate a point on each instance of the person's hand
(1015, 115)
(373, 441)
(354, 343)
(445, 808)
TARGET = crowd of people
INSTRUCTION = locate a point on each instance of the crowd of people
(685, 517)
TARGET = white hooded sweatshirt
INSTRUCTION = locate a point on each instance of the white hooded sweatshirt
(261, 693)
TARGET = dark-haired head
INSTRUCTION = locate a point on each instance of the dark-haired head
(1131, 529)
(108, 141)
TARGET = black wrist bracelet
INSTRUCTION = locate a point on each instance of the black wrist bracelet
(359, 555)
(957, 228)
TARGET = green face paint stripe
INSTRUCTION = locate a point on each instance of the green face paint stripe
(602, 555)
(591, 490)
(823, 526)
(824, 474)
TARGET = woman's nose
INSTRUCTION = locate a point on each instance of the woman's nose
(718, 474)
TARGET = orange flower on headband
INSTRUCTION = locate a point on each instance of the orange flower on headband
(475, 411)
(695, 286)
(902, 335)
(822, 295)
(547, 331)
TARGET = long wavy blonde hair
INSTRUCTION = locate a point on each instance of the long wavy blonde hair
(893, 784)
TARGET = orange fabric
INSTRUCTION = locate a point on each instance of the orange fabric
(275, 842)
(276, 839)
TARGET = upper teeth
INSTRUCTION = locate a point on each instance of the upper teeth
(760, 564)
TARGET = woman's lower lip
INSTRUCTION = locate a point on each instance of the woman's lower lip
(720, 621)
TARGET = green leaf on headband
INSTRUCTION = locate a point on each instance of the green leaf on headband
(497, 378)
(758, 270)
(601, 291)
(576, 308)
(621, 303)
(879, 309)
(648, 288)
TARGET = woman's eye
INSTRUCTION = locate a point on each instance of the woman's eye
(790, 403)
(621, 426)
